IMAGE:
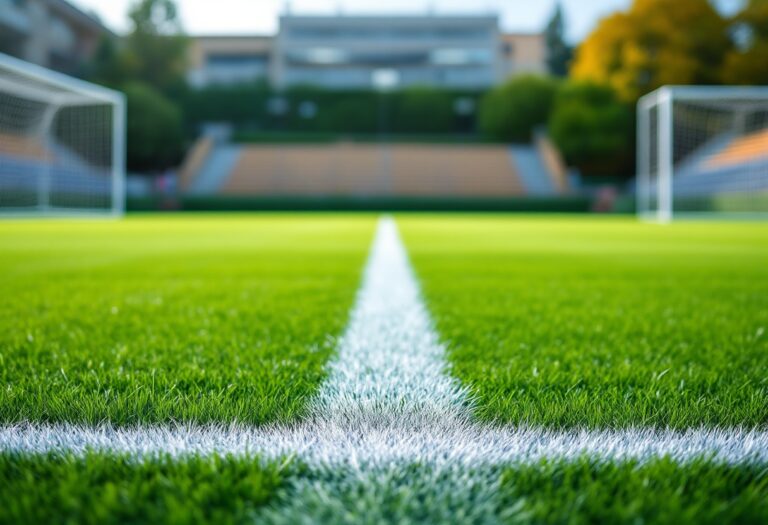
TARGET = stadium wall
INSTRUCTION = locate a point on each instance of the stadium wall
(566, 204)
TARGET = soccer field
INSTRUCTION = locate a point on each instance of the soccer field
(347, 369)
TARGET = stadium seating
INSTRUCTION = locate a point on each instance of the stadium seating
(194, 161)
(450, 171)
(367, 170)
(727, 164)
(742, 150)
(374, 170)
(22, 146)
(26, 163)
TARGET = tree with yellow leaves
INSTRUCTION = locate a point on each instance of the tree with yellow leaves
(656, 42)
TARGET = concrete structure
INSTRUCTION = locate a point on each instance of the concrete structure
(523, 53)
(227, 60)
(351, 52)
(50, 33)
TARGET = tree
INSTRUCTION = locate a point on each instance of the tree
(157, 45)
(559, 53)
(149, 66)
(154, 129)
(512, 111)
(111, 65)
(746, 63)
(423, 110)
(656, 42)
(593, 129)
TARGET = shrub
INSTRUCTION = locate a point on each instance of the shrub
(593, 129)
(512, 111)
(154, 129)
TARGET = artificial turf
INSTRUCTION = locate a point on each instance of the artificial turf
(158, 319)
(660, 491)
(101, 488)
(559, 322)
(600, 322)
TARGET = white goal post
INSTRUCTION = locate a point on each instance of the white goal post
(702, 150)
(62, 143)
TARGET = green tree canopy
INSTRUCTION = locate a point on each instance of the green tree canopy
(593, 129)
(656, 42)
(157, 44)
(512, 111)
(154, 129)
(423, 109)
(149, 65)
(111, 65)
(154, 52)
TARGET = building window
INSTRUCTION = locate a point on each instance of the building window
(372, 33)
(461, 57)
(234, 59)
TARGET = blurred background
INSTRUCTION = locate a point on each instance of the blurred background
(500, 105)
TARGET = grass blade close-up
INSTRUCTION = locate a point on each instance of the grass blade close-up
(601, 323)
(158, 320)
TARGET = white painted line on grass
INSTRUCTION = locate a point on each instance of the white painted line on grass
(327, 443)
(388, 399)
(391, 369)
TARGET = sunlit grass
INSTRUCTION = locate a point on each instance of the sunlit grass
(658, 492)
(102, 488)
(569, 321)
(560, 322)
(188, 318)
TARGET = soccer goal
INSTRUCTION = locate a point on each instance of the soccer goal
(62, 143)
(702, 149)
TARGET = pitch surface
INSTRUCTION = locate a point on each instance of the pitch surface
(390, 436)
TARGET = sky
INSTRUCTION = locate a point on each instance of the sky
(260, 16)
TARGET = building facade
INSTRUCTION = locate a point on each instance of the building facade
(50, 33)
(352, 52)
(227, 60)
(363, 52)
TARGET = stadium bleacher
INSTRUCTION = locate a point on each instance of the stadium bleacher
(726, 164)
(26, 163)
(21, 146)
(368, 170)
(742, 150)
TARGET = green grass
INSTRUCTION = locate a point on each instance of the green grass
(570, 322)
(658, 492)
(158, 319)
(97, 489)
(560, 322)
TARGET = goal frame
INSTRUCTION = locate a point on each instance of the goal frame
(76, 92)
(664, 100)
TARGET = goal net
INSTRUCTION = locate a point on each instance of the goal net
(702, 150)
(61, 143)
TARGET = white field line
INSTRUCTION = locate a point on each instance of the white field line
(325, 443)
(388, 400)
